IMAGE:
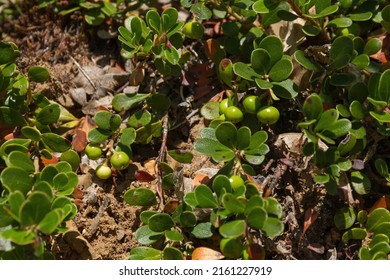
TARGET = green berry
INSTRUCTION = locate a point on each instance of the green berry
(120, 160)
(234, 114)
(93, 152)
(251, 104)
(103, 171)
(224, 104)
(236, 182)
(193, 30)
(268, 115)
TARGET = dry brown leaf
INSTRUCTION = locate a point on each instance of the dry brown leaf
(383, 202)
(204, 253)
(201, 178)
(310, 216)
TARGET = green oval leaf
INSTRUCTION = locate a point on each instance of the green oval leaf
(281, 70)
(232, 204)
(171, 253)
(306, 62)
(123, 102)
(55, 142)
(226, 134)
(146, 236)
(94, 17)
(360, 182)
(354, 233)
(140, 197)
(16, 179)
(21, 160)
(373, 46)
(272, 227)
(144, 253)
(38, 74)
(344, 218)
(181, 156)
(233, 229)
(160, 222)
(203, 230)
(205, 197)
(256, 217)
(376, 218)
(313, 107)
(210, 110)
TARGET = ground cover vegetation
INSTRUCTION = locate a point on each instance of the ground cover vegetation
(209, 129)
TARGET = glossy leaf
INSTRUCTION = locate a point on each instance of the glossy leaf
(21, 160)
(204, 197)
(226, 134)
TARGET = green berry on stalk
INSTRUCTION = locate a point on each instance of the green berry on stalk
(120, 160)
(103, 171)
(224, 104)
(234, 114)
(236, 182)
(193, 30)
(268, 115)
(251, 104)
(93, 152)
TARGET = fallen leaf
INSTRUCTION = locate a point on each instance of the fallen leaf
(204, 253)
(256, 252)
(310, 216)
(211, 48)
(80, 138)
(143, 176)
(47, 161)
(383, 202)
(317, 248)
(171, 206)
(201, 178)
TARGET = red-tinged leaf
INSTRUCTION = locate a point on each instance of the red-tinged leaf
(143, 176)
(77, 193)
(80, 138)
(171, 206)
(261, 187)
(383, 202)
(317, 248)
(202, 91)
(256, 252)
(79, 141)
(218, 97)
(52, 160)
(310, 216)
(201, 178)
(204, 253)
(211, 48)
